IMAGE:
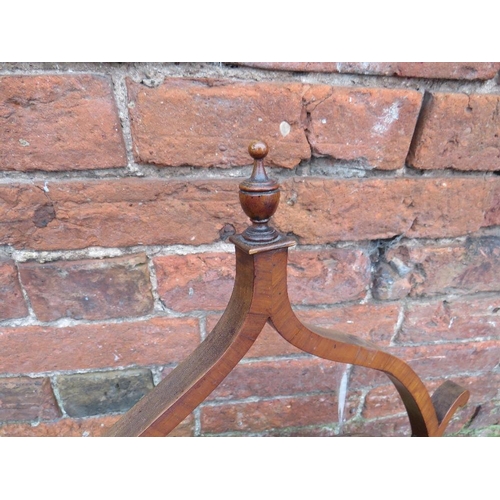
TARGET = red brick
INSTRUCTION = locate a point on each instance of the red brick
(95, 213)
(445, 70)
(492, 216)
(210, 123)
(59, 122)
(372, 125)
(89, 289)
(12, 303)
(285, 377)
(463, 319)
(197, 281)
(363, 378)
(483, 388)
(470, 267)
(24, 398)
(382, 401)
(272, 414)
(317, 210)
(66, 427)
(268, 343)
(81, 427)
(327, 276)
(458, 131)
(375, 322)
(323, 210)
(158, 341)
(438, 362)
(205, 281)
(448, 360)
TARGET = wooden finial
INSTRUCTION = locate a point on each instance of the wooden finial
(259, 197)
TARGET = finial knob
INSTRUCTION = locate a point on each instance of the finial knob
(258, 150)
(259, 197)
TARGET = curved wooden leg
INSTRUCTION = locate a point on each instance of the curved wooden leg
(175, 397)
(428, 417)
(425, 420)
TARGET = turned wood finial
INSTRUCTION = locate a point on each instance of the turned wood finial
(259, 197)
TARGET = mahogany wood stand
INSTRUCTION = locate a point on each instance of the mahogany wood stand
(259, 296)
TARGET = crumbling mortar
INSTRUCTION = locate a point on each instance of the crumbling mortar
(31, 313)
(257, 399)
(275, 358)
(438, 297)
(316, 167)
(151, 251)
(446, 342)
(53, 374)
(57, 395)
(399, 324)
(202, 324)
(158, 304)
(149, 72)
(197, 422)
(67, 322)
(121, 98)
(361, 405)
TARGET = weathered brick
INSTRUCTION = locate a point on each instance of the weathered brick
(12, 303)
(197, 281)
(446, 360)
(458, 131)
(382, 401)
(439, 362)
(95, 212)
(81, 427)
(268, 343)
(97, 393)
(452, 320)
(157, 341)
(65, 427)
(24, 398)
(492, 216)
(470, 267)
(483, 388)
(375, 322)
(272, 414)
(211, 122)
(327, 276)
(383, 208)
(448, 70)
(393, 426)
(89, 289)
(59, 122)
(487, 415)
(363, 378)
(372, 125)
(205, 280)
(285, 377)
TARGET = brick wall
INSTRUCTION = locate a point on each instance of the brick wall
(118, 192)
